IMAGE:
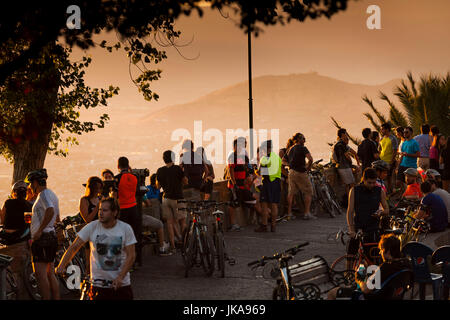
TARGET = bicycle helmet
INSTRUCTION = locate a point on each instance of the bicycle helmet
(380, 165)
(431, 173)
(19, 185)
(40, 174)
(412, 172)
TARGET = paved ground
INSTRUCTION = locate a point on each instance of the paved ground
(163, 277)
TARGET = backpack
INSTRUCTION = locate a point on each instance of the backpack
(226, 170)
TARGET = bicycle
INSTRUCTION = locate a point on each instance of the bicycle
(218, 237)
(87, 283)
(285, 289)
(28, 275)
(198, 247)
(68, 226)
(8, 284)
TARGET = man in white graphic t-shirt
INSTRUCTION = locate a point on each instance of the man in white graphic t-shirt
(112, 253)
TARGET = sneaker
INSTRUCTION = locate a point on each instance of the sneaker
(262, 228)
(290, 217)
(235, 227)
(165, 252)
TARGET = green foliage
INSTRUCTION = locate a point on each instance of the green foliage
(45, 97)
(425, 102)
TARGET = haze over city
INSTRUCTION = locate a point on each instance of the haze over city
(304, 73)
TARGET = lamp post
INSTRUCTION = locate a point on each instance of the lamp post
(250, 98)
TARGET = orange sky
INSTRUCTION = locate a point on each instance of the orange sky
(414, 37)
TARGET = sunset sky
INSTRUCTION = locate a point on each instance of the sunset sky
(414, 37)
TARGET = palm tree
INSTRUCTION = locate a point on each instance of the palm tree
(425, 102)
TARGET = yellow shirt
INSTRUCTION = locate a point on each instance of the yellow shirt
(386, 150)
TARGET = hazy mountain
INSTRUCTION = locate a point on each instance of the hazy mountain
(291, 103)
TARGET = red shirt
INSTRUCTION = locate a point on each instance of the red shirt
(127, 190)
(413, 190)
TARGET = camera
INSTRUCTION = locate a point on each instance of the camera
(141, 174)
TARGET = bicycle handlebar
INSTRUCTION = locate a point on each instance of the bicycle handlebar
(292, 251)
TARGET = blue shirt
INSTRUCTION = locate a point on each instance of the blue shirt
(152, 193)
(410, 146)
(439, 215)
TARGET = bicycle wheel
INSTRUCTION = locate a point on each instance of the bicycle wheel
(30, 280)
(189, 251)
(279, 292)
(327, 205)
(307, 291)
(207, 253)
(11, 285)
(220, 254)
(344, 268)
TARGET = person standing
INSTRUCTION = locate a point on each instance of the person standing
(436, 148)
(342, 156)
(424, 141)
(270, 168)
(363, 204)
(112, 244)
(238, 172)
(171, 179)
(367, 150)
(194, 169)
(206, 188)
(127, 186)
(12, 214)
(90, 202)
(298, 180)
(389, 148)
(410, 152)
(444, 160)
(43, 236)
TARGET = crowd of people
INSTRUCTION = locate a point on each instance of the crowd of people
(113, 226)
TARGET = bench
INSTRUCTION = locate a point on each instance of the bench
(313, 278)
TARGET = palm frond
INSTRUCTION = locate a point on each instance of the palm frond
(396, 117)
(381, 118)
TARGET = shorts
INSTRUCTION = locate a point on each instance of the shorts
(368, 237)
(271, 191)
(152, 223)
(122, 293)
(346, 176)
(44, 249)
(299, 181)
(244, 198)
(170, 210)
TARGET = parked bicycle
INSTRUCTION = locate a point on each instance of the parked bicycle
(69, 226)
(8, 284)
(323, 193)
(198, 247)
(218, 236)
(285, 289)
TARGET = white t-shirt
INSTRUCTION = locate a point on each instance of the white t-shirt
(445, 196)
(107, 250)
(46, 199)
